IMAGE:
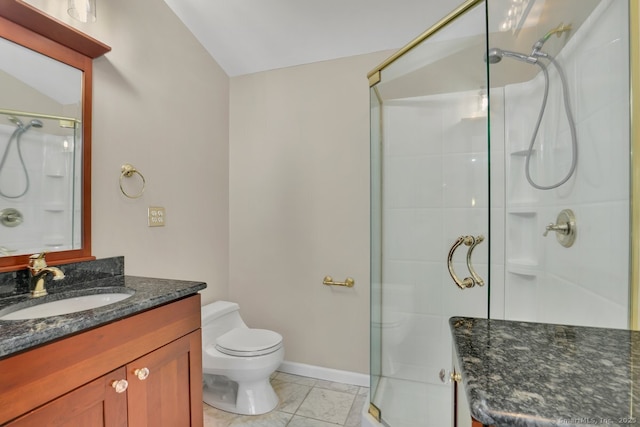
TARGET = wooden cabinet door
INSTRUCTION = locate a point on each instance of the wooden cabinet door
(165, 386)
(96, 404)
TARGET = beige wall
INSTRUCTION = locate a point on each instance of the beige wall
(299, 207)
(262, 222)
(161, 104)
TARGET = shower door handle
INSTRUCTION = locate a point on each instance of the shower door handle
(467, 282)
(476, 279)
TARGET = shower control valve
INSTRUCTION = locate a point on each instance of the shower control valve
(565, 228)
(558, 228)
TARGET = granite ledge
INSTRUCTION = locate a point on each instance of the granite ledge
(540, 375)
(20, 335)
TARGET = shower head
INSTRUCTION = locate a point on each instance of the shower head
(35, 123)
(495, 55)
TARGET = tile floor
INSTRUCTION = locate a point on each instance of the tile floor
(304, 402)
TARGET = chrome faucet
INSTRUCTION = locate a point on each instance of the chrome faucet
(39, 270)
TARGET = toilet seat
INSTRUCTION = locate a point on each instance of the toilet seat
(246, 342)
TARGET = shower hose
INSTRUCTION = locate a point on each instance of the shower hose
(15, 136)
(572, 126)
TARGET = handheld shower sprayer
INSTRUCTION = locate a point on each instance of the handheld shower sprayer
(16, 136)
(21, 127)
(495, 55)
(34, 123)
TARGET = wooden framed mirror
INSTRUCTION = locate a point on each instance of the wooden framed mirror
(51, 63)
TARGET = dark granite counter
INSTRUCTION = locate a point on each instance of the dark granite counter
(81, 279)
(539, 375)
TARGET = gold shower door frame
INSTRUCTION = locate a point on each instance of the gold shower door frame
(375, 77)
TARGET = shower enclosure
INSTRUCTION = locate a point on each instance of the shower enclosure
(501, 165)
(40, 170)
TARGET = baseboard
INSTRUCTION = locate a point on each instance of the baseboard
(327, 374)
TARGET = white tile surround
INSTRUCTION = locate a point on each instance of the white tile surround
(532, 277)
(304, 402)
(47, 207)
(586, 284)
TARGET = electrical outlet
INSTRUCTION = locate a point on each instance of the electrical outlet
(157, 216)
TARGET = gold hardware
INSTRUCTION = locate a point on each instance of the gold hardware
(476, 279)
(557, 31)
(349, 282)
(565, 228)
(375, 412)
(453, 376)
(127, 172)
(142, 374)
(467, 282)
(374, 78)
(68, 124)
(38, 115)
(465, 7)
(120, 386)
(38, 268)
(634, 52)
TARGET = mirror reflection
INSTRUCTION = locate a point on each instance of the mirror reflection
(40, 152)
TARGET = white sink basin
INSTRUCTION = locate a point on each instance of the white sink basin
(65, 306)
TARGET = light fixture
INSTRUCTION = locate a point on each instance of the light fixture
(82, 10)
(516, 15)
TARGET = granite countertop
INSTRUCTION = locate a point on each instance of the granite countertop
(538, 375)
(19, 335)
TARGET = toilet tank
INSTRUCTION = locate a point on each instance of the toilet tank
(219, 318)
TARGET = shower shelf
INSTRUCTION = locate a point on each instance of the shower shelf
(473, 118)
(524, 267)
(53, 207)
(526, 212)
(522, 152)
(54, 240)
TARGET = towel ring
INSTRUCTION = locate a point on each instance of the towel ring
(127, 172)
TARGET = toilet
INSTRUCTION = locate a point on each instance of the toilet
(237, 361)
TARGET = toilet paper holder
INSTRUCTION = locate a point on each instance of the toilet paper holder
(348, 282)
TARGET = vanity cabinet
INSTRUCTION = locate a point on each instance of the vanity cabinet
(94, 404)
(159, 385)
(73, 381)
(461, 413)
(462, 417)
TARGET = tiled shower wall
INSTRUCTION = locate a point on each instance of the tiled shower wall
(588, 283)
(47, 207)
(435, 189)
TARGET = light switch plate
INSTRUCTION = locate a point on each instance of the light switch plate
(157, 216)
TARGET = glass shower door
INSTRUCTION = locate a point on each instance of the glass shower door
(430, 216)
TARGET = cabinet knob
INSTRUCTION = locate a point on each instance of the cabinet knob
(141, 373)
(120, 386)
(453, 376)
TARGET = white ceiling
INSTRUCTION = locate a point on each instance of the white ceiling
(248, 36)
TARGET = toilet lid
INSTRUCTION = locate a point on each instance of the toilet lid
(248, 342)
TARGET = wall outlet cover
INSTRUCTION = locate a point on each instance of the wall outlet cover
(157, 216)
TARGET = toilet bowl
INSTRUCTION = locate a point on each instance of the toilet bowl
(237, 361)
